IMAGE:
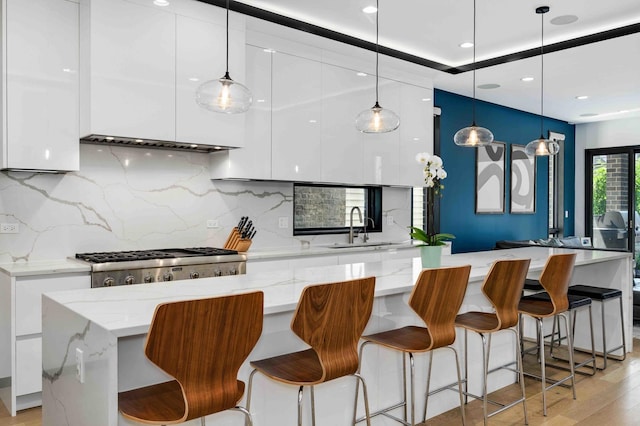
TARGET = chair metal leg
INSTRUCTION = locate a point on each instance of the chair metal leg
(520, 367)
(250, 387)
(426, 398)
(365, 395)
(404, 386)
(466, 368)
(300, 391)
(570, 348)
(542, 365)
(248, 420)
(485, 369)
(624, 343)
(462, 410)
(313, 406)
(413, 389)
(202, 423)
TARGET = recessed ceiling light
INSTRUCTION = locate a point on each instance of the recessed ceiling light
(622, 111)
(269, 50)
(582, 97)
(313, 121)
(527, 79)
(194, 79)
(425, 99)
(588, 114)
(564, 20)
(370, 9)
(416, 139)
(361, 74)
(161, 3)
(260, 101)
(466, 45)
(488, 86)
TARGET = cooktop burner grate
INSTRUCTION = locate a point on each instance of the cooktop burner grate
(126, 256)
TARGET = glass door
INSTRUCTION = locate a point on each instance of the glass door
(611, 204)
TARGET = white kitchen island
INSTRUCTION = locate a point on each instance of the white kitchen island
(105, 328)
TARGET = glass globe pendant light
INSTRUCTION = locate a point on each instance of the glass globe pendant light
(542, 146)
(377, 119)
(473, 135)
(224, 95)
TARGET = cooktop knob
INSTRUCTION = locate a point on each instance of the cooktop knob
(233, 272)
(108, 282)
(167, 277)
(148, 279)
(129, 280)
(217, 273)
(194, 275)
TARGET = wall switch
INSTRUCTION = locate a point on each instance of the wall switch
(79, 365)
(566, 214)
(212, 223)
(389, 220)
(9, 228)
(283, 222)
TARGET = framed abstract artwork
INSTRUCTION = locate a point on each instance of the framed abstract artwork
(490, 178)
(523, 181)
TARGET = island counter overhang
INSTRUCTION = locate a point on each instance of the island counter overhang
(108, 325)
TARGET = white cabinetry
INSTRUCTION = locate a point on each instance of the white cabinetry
(296, 118)
(416, 131)
(142, 64)
(200, 57)
(128, 66)
(40, 85)
(254, 160)
(21, 328)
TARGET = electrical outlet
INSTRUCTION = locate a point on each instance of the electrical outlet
(9, 228)
(283, 222)
(389, 220)
(212, 223)
(79, 365)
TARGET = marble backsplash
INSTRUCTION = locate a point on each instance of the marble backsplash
(131, 198)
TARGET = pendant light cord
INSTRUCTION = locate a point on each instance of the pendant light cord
(377, 45)
(541, 74)
(473, 104)
(227, 69)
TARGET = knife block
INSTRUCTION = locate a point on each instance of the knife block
(236, 242)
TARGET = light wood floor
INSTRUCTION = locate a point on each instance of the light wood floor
(611, 397)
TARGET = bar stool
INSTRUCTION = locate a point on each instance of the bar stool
(555, 280)
(602, 295)
(330, 318)
(436, 298)
(202, 344)
(503, 287)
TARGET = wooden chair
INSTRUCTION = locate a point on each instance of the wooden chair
(554, 302)
(330, 318)
(436, 298)
(202, 344)
(503, 287)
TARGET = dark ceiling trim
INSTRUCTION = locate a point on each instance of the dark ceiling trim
(357, 42)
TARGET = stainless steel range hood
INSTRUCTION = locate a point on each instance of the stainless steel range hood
(146, 143)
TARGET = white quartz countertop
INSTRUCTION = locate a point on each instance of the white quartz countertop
(44, 267)
(322, 250)
(127, 310)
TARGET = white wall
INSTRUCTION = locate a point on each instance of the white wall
(604, 134)
(131, 198)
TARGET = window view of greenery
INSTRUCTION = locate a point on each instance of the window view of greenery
(320, 209)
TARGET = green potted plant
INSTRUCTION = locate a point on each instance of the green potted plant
(431, 249)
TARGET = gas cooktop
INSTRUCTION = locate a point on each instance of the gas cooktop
(172, 253)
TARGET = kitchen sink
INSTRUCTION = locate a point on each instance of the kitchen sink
(360, 245)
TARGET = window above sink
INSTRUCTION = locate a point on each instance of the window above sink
(328, 209)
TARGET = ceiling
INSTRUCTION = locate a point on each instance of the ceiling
(607, 71)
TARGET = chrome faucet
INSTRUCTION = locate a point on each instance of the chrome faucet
(365, 235)
(351, 233)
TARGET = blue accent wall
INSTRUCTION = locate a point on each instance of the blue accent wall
(457, 206)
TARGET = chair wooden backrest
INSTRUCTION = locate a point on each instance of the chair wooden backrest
(555, 279)
(436, 298)
(202, 344)
(503, 287)
(331, 318)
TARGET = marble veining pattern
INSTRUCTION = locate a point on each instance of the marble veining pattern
(131, 198)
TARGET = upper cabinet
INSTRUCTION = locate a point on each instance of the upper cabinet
(415, 132)
(40, 85)
(296, 118)
(142, 64)
(254, 160)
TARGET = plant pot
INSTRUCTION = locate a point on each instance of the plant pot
(431, 256)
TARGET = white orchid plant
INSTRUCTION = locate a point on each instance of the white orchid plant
(434, 173)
